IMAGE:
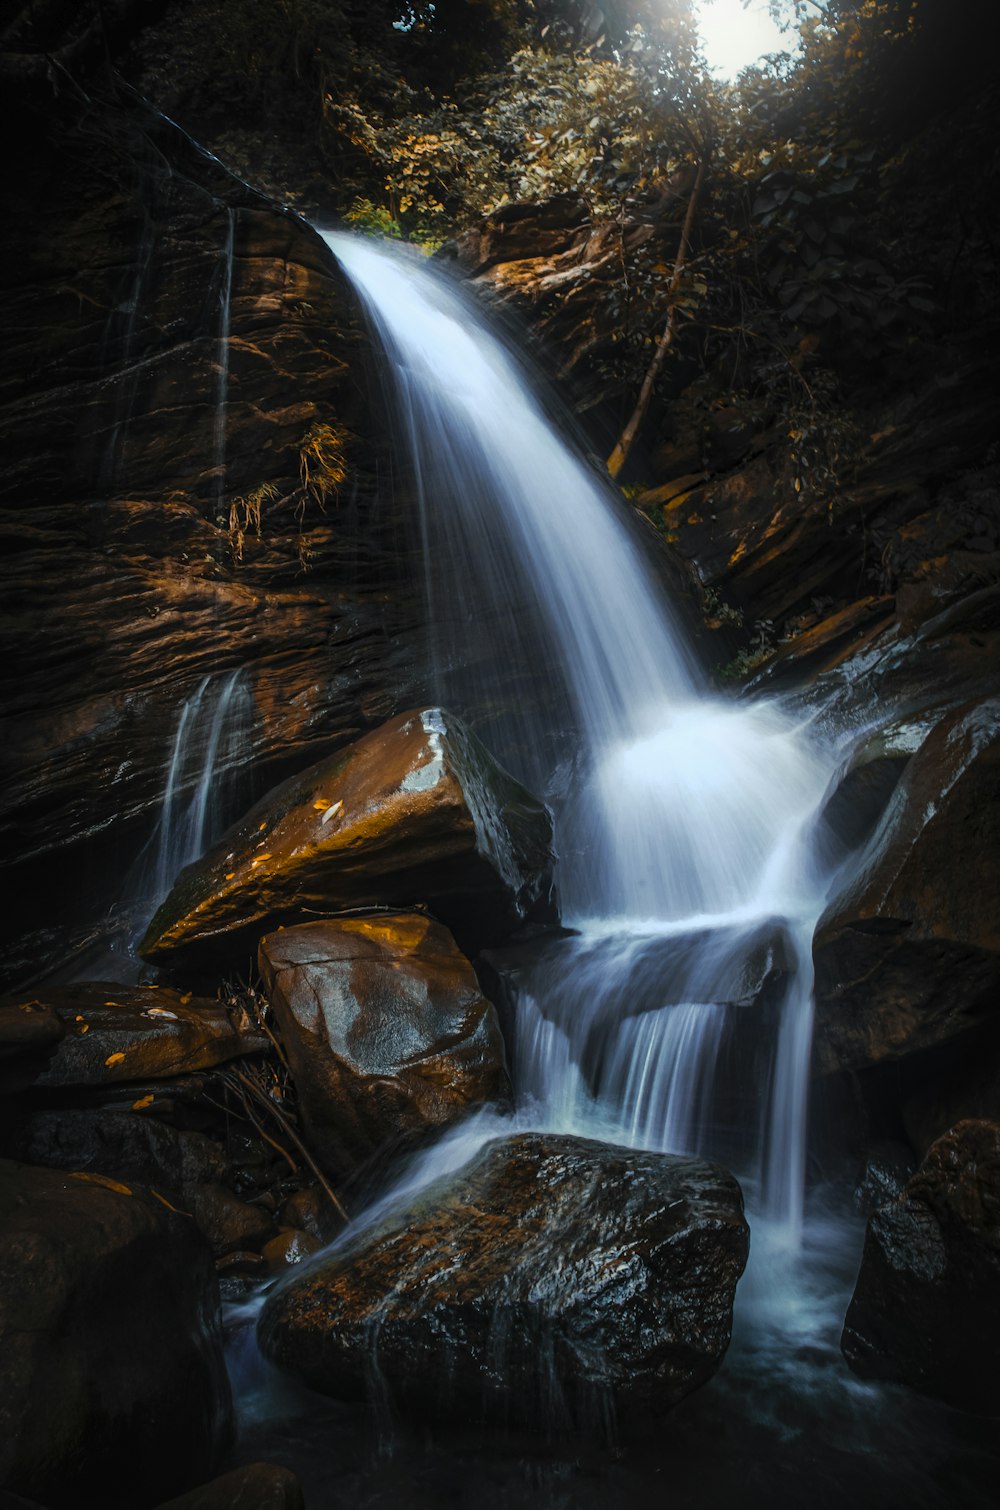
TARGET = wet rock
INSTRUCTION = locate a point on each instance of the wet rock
(110, 1347)
(417, 811)
(387, 1032)
(27, 1027)
(925, 1310)
(110, 460)
(289, 1248)
(908, 954)
(887, 1169)
(229, 1224)
(310, 1210)
(551, 1279)
(258, 1486)
(116, 1033)
(122, 1144)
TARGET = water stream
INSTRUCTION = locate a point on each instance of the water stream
(684, 821)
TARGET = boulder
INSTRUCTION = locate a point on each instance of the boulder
(908, 954)
(416, 811)
(27, 1027)
(110, 1346)
(926, 1308)
(116, 1033)
(229, 1224)
(550, 1280)
(258, 1486)
(126, 1145)
(388, 1035)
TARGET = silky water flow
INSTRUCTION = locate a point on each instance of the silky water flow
(674, 1009)
(685, 822)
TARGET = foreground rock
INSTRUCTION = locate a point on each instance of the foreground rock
(387, 1033)
(417, 811)
(111, 1364)
(113, 1033)
(551, 1279)
(258, 1486)
(909, 954)
(926, 1310)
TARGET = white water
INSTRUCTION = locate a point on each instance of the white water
(684, 826)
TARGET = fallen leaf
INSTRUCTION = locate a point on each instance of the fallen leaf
(165, 1202)
(321, 804)
(100, 1179)
(142, 1103)
(331, 812)
(185, 998)
(118, 1058)
(230, 874)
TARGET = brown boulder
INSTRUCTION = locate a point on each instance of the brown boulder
(27, 1027)
(387, 1032)
(550, 1280)
(258, 1486)
(926, 1309)
(416, 811)
(908, 954)
(110, 1347)
(129, 1033)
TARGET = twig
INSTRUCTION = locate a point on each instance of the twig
(290, 1132)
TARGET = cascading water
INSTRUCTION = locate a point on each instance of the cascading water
(684, 827)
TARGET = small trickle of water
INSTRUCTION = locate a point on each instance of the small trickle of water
(209, 753)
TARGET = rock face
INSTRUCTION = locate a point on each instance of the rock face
(386, 1030)
(909, 954)
(417, 811)
(926, 1310)
(110, 1348)
(182, 495)
(551, 1279)
(115, 1033)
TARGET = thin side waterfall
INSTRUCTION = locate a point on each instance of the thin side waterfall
(209, 748)
(684, 821)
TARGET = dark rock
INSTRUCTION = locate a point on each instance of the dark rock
(289, 1248)
(110, 1347)
(258, 1486)
(417, 811)
(387, 1032)
(311, 1211)
(120, 1143)
(551, 1279)
(119, 1033)
(909, 953)
(926, 1309)
(109, 384)
(27, 1027)
(228, 1223)
(887, 1169)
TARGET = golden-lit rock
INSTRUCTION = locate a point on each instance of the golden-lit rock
(415, 812)
(387, 1033)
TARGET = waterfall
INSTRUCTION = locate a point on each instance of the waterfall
(209, 746)
(683, 821)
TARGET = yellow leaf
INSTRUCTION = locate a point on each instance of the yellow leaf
(163, 1200)
(100, 1179)
(230, 874)
(262, 828)
(85, 1027)
(321, 804)
(118, 1058)
(112, 1003)
(142, 1103)
(185, 999)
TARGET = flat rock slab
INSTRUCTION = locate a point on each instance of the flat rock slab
(387, 1032)
(926, 1308)
(110, 1345)
(549, 1281)
(416, 811)
(115, 1033)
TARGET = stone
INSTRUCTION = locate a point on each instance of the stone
(27, 1027)
(258, 1486)
(549, 1281)
(229, 1224)
(110, 1343)
(127, 1145)
(908, 953)
(388, 1035)
(417, 811)
(115, 1033)
(926, 1308)
(310, 1211)
(289, 1248)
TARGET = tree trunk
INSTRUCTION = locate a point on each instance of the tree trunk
(619, 455)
